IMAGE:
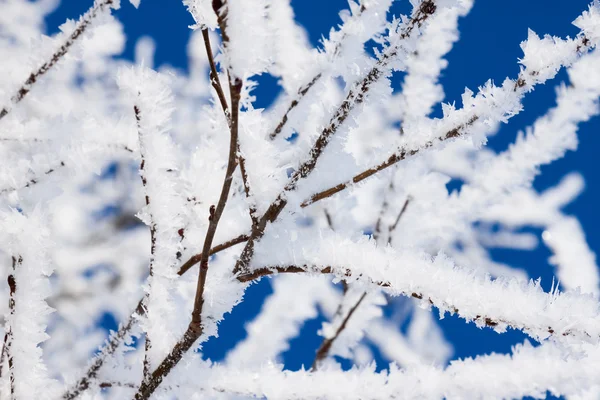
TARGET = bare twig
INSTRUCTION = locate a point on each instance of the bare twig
(355, 97)
(214, 76)
(84, 22)
(195, 328)
(33, 181)
(395, 224)
(323, 350)
(216, 84)
(304, 90)
(195, 259)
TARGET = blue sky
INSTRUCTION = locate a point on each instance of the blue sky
(488, 49)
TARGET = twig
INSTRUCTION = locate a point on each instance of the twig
(111, 346)
(347, 273)
(216, 84)
(195, 259)
(83, 24)
(303, 90)
(326, 344)
(393, 159)
(395, 224)
(214, 76)
(301, 93)
(8, 336)
(33, 181)
(144, 178)
(355, 96)
(323, 350)
(195, 329)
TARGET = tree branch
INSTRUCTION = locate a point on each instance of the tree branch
(355, 96)
(111, 346)
(85, 21)
(144, 178)
(108, 350)
(521, 85)
(326, 344)
(195, 328)
(393, 159)
(216, 84)
(344, 273)
(323, 350)
(8, 336)
(304, 90)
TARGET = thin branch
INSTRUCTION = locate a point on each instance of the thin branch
(83, 24)
(215, 214)
(111, 346)
(303, 90)
(355, 97)
(109, 349)
(216, 84)
(144, 178)
(393, 159)
(195, 259)
(392, 228)
(195, 328)
(326, 344)
(33, 181)
(8, 336)
(301, 93)
(485, 320)
(214, 76)
(323, 350)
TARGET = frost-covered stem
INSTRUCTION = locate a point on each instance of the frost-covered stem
(216, 83)
(109, 349)
(83, 24)
(323, 350)
(8, 337)
(33, 181)
(195, 259)
(150, 385)
(326, 344)
(216, 212)
(214, 76)
(355, 96)
(392, 160)
(303, 90)
(194, 330)
(147, 342)
(84, 382)
(487, 320)
(301, 93)
(392, 228)
(521, 86)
